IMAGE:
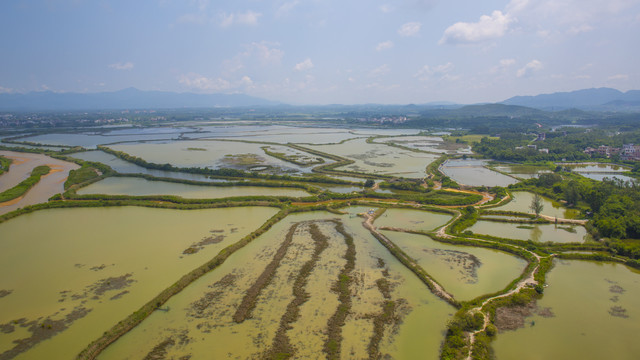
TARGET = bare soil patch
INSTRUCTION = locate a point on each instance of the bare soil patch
(513, 317)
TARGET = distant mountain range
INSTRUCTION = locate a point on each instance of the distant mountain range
(601, 99)
(130, 98)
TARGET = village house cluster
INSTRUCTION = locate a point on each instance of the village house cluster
(627, 152)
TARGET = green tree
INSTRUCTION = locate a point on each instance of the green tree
(536, 204)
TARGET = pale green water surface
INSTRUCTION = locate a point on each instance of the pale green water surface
(582, 296)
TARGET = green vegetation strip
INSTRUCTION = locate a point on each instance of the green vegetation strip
(339, 162)
(281, 347)
(291, 158)
(221, 173)
(333, 344)
(92, 351)
(26, 185)
(411, 264)
(249, 300)
(382, 319)
(4, 164)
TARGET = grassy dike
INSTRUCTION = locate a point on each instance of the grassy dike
(25, 185)
(4, 164)
(435, 287)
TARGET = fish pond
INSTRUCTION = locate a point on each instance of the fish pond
(589, 311)
(464, 271)
(77, 272)
(564, 233)
(142, 187)
(521, 202)
(474, 173)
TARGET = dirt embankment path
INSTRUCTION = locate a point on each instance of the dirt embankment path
(436, 288)
(563, 221)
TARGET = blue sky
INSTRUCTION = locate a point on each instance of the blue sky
(322, 51)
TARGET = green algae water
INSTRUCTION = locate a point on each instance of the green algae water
(412, 219)
(594, 310)
(562, 233)
(464, 271)
(77, 272)
(140, 187)
(521, 202)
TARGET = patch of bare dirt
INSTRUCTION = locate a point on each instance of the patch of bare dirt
(618, 311)
(467, 264)
(513, 317)
(199, 308)
(208, 240)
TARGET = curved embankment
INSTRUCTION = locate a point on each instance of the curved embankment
(526, 281)
(436, 288)
(26, 185)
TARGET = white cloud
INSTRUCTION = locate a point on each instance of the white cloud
(532, 66)
(4, 90)
(192, 19)
(226, 19)
(410, 29)
(305, 65)
(440, 71)
(507, 62)
(286, 8)
(384, 45)
(246, 82)
(487, 28)
(122, 66)
(386, 8)
(265, 51)
(618, 77)
(574, 30)
(563, 17)
(202, 83)
(502, 66)
(380, 70)
(249, 18)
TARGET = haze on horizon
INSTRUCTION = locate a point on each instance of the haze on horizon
(321, 52)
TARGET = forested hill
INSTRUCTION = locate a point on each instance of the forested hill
(601, 99)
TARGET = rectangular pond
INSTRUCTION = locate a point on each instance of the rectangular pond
(142, 187)
(535, 232)
(474, 173)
